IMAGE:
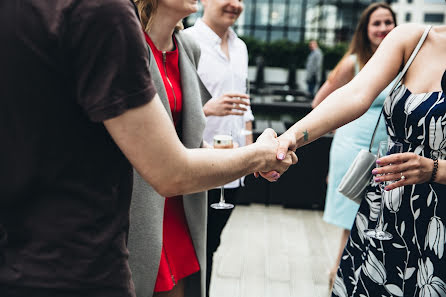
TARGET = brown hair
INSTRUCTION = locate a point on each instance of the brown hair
(360, 44)
(146, 10)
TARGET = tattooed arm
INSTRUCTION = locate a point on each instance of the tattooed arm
(352, 100)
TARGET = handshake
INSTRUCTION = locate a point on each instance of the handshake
(277, 153)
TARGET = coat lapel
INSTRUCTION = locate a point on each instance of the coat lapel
(193, 120)
(158, 82)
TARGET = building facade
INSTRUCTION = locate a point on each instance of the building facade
(420, 11)
(329, 21)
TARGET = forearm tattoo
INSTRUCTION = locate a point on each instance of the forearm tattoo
(305, 135)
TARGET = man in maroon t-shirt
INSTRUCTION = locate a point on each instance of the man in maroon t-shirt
(74, 82)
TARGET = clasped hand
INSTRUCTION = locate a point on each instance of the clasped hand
(283, 156)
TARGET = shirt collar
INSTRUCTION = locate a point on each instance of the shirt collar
(232, 34)
(210, 35)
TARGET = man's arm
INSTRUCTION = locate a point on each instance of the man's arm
(148, 139)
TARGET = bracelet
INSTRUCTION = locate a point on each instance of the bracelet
(434, 171)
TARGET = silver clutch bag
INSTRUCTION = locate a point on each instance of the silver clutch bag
(357, 177)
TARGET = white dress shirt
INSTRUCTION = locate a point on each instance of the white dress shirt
(221, 75)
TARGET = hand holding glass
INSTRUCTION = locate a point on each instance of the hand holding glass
(385, 148)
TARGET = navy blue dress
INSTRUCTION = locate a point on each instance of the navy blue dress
(413, 263)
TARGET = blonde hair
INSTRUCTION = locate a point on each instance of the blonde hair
(146, 10)
(360, 44)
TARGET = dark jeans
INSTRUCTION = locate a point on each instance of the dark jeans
(217, 219)
(311, 83)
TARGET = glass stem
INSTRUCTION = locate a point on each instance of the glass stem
(222, 195)
(380, 223)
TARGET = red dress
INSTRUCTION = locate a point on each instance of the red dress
(178, 258)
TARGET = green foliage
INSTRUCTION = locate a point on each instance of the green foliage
(285, 53)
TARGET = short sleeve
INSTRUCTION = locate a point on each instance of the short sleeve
(109, 58)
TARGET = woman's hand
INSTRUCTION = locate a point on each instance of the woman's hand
(287, 142)
(287, 146)
(281, 165)
(405, 169)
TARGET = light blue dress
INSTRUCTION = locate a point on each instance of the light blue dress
(346, 144)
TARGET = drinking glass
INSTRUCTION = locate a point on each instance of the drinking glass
(222, 141)
(385, 148)
(245, 132)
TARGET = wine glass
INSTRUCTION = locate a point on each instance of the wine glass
(245, 132)
(222, 141)
(385, 148)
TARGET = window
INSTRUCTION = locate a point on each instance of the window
(433, 18)
(408, 17)
(329, 21)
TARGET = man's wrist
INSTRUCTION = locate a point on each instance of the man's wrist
(255, 157)
(207, 111)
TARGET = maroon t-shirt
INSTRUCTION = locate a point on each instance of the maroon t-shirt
(65, 187)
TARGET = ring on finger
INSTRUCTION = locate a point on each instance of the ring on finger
(402, 176)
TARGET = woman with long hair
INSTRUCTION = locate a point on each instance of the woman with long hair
(376, 21)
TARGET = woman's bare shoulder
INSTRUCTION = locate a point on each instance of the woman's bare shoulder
(408, 34)
(405, 37)
(346, 68)
(409, 29)
(349, 62)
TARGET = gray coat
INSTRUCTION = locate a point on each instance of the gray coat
(147, 208)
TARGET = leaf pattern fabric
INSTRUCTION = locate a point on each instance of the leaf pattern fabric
(413, 263)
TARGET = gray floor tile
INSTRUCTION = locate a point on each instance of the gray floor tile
(274, 252)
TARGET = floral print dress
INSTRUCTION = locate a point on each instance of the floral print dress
(413, 263)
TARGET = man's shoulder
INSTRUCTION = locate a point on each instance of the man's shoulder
(191, 30)
(104, 9)
(241, 42)
(104, 4)
(196, 33)
(241, 45)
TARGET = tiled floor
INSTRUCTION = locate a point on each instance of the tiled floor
(269, 251)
